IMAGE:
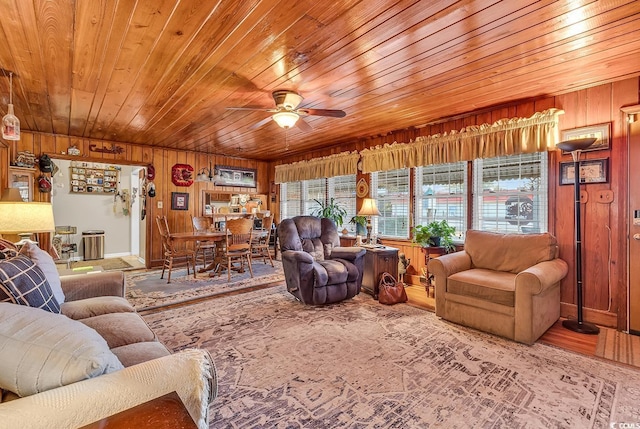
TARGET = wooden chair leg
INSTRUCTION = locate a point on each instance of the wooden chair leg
(249, 263)
(170, 268)
(193, 260)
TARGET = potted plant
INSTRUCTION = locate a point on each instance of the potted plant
(436, 233)
(361, 224)
(332, 210)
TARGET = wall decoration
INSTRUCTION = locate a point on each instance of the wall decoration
(600, 131)
(235, 176)
(182, 175)
(591, 171)
(179, 201)
(113, 149)
(362, 189)
(86, 178)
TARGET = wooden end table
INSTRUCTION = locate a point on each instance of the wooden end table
(165, 412)
(378, 260)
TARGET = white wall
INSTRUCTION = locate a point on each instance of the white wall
(91, 212)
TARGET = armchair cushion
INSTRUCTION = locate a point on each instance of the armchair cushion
(494, 286)
(96, 306)
(40, 350)
(509, 252)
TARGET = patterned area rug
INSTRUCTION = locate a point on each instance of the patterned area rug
(106, 264)
(148, 291)
(360, 364)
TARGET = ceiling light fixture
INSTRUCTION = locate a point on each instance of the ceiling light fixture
(207, 174)
(286, 119)
(10, 123)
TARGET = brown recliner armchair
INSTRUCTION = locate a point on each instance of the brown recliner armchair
(317, 270)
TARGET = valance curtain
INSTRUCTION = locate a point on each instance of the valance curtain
(340, 164)
(504, 137)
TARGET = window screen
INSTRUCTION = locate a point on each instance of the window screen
(511, 193)
(343, 189)
(290, 197)
(441, 193)
(315, 189)
(391, 191)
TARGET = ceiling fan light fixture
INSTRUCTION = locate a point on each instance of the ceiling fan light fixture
(286, 119)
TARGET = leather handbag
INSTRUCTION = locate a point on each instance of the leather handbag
(390, 291)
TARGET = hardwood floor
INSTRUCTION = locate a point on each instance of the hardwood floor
(556, 336)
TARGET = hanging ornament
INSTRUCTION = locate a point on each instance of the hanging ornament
(10, 123)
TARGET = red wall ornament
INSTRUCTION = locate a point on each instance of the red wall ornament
(182, 175)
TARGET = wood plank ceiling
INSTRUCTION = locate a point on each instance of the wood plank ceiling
(163, 72)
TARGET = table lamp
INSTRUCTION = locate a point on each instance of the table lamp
(369, 209)
(25, 219)
(576, 147)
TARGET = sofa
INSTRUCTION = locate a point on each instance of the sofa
(504, 284)
(91, 359)
(317, 270)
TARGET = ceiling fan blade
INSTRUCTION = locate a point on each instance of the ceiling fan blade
(260, 123)
(261, 109)
(323, 112)
(300, 123)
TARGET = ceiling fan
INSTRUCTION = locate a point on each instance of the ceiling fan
(286, 113)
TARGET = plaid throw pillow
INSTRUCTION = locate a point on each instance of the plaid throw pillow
(22, 282)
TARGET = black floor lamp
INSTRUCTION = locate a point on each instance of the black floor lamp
(576, 147)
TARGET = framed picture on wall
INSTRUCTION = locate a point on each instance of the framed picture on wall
(601, 131)
(235, 176)
(591, 171)
(179, 201)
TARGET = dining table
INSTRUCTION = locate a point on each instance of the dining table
(216, 236)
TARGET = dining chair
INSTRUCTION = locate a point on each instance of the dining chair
(238, 244)
(172, 255)
(206, 247)
(260, 241)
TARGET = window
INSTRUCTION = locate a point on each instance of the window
(510, 193)
(290, 197)
(312, 190)
(391, 191)
(343, 189)
(441, 193)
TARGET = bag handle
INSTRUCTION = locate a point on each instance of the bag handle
(387, 279)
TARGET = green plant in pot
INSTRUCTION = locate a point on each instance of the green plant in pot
(331, 210)
(361, 224)
(436, 233)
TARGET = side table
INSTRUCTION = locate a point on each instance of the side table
(378, 260)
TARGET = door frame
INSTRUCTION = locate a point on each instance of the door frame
(624, 314)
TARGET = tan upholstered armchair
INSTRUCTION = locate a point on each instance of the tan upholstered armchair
(504, 284)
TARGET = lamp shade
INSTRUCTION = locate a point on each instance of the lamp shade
(20, 217)
(285, 119)
(369, 208)
(576, 144)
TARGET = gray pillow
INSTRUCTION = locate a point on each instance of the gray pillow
(40, 350)
(45, 262)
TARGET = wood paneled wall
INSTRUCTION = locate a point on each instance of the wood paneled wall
(604, 224)
(162, 159)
